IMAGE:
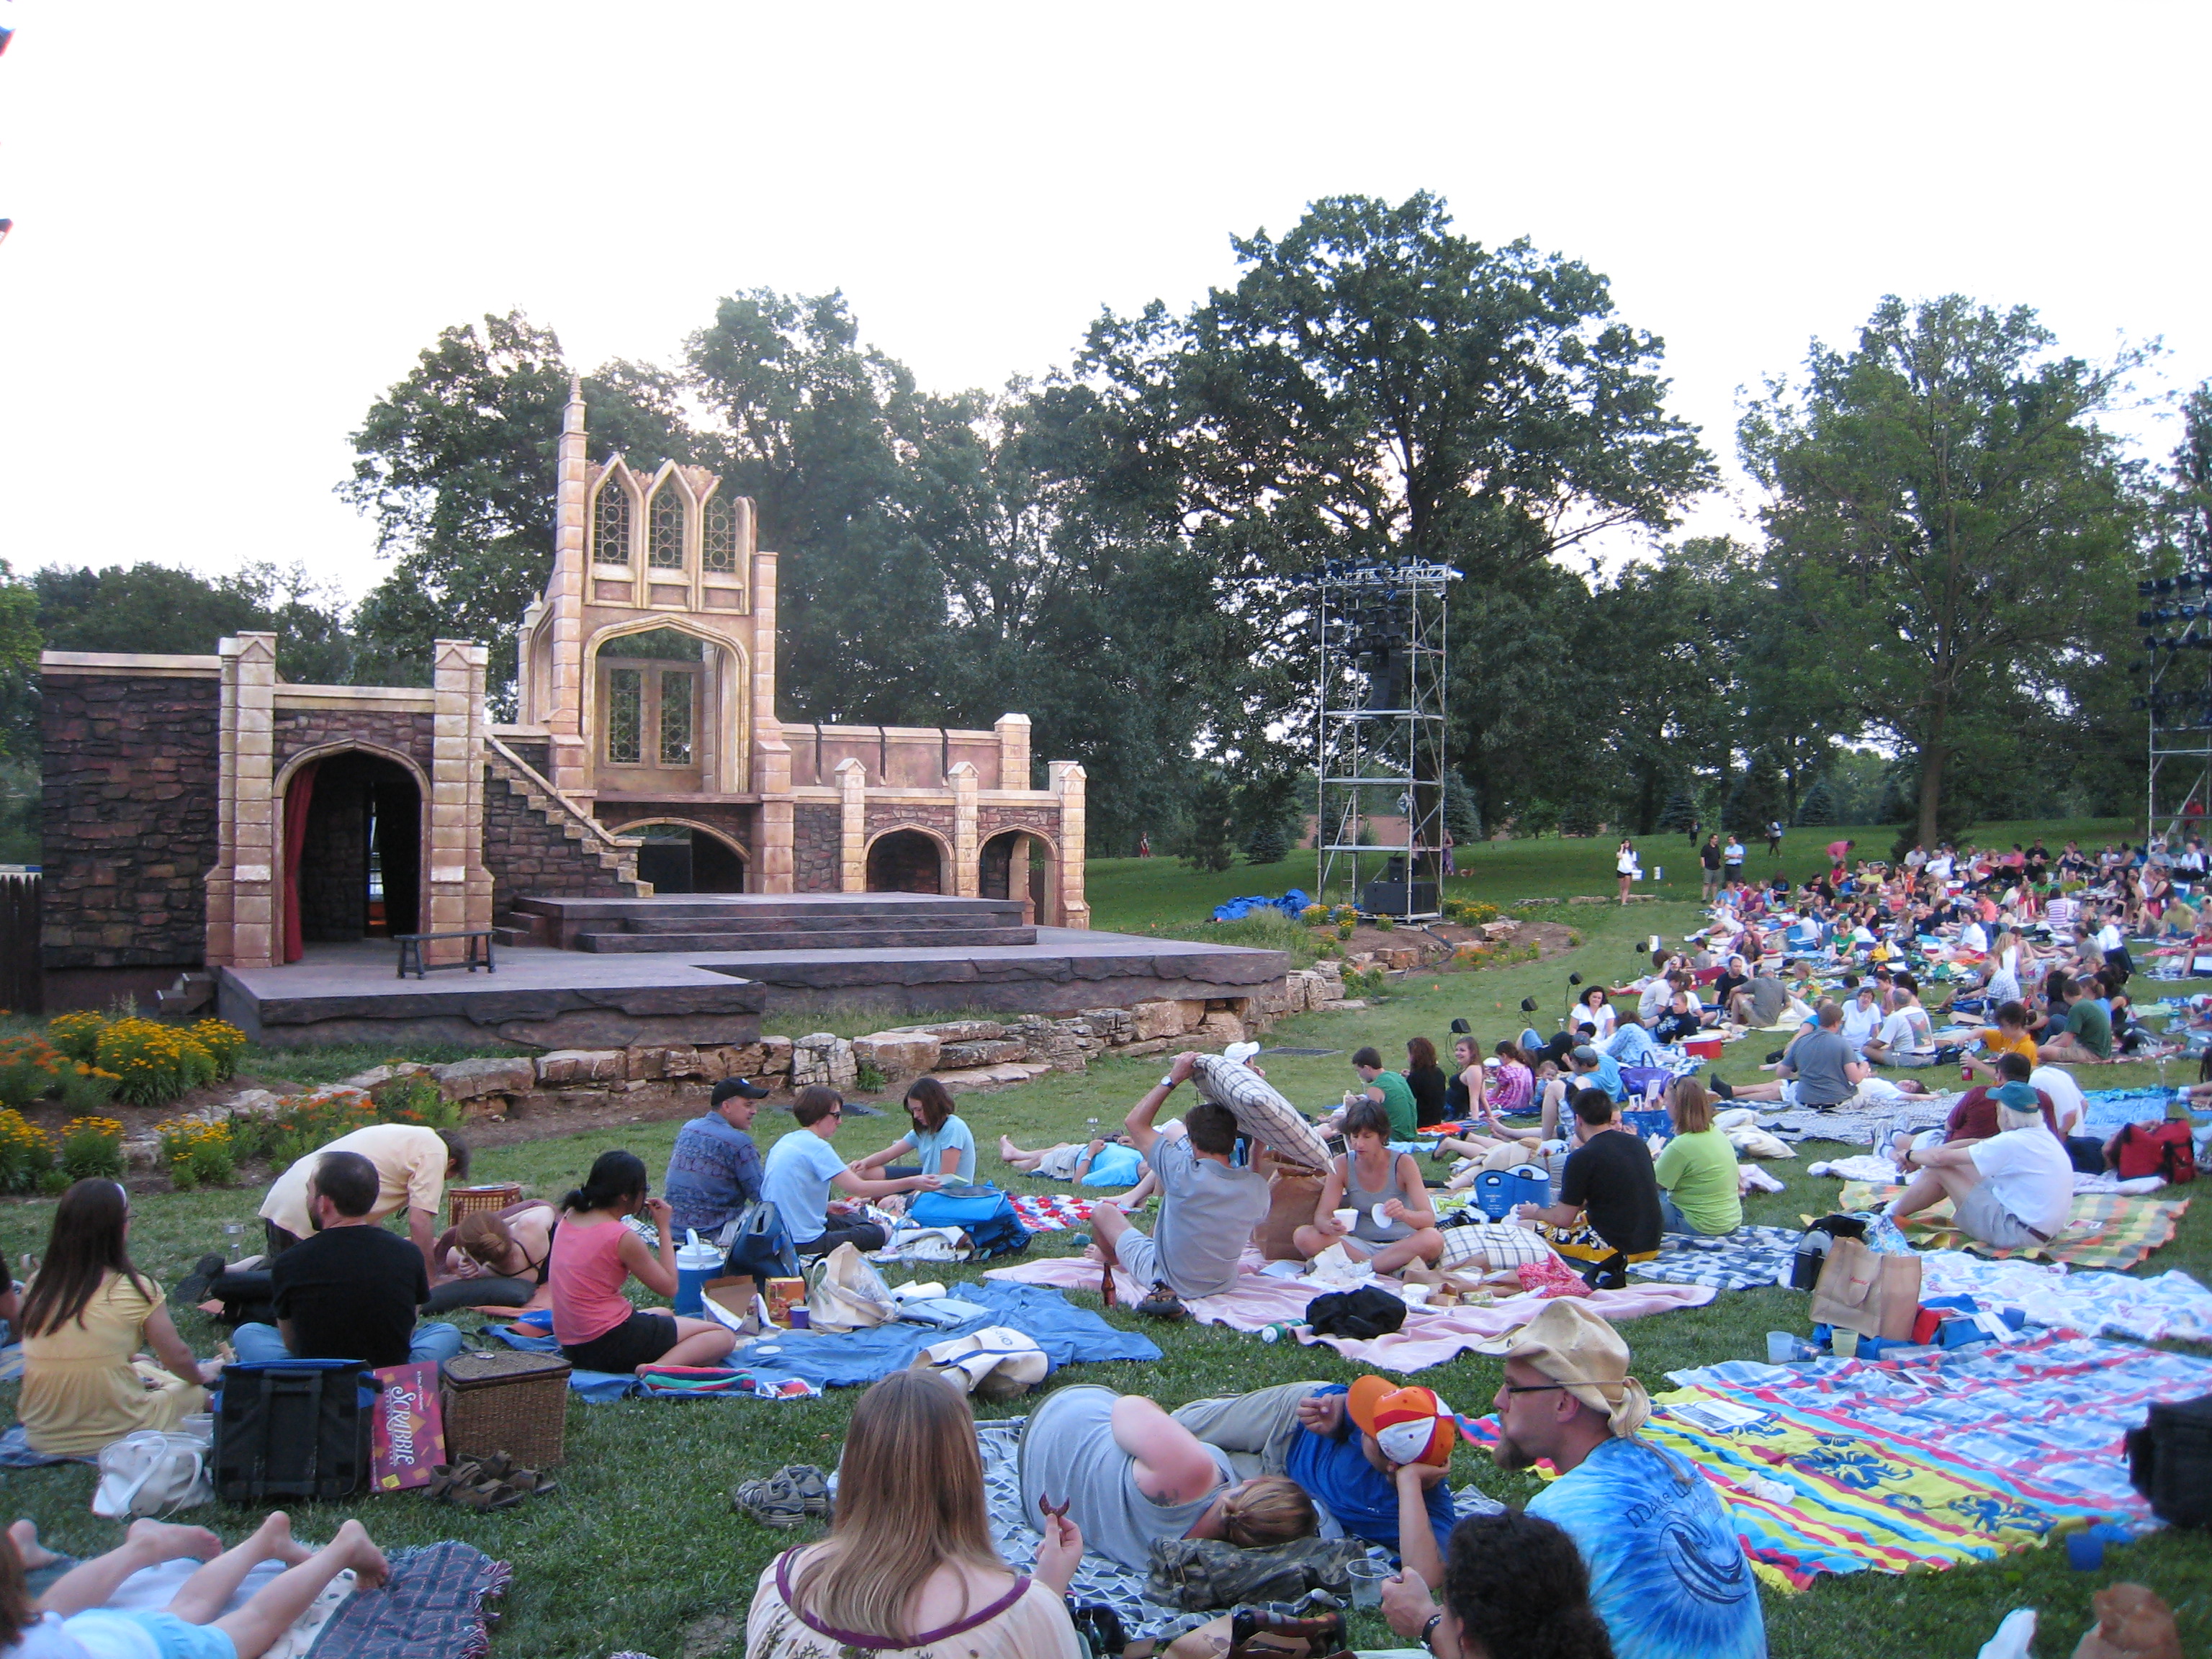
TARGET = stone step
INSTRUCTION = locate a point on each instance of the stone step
(950, 920)
(768, 938)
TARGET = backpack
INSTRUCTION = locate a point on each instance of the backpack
(982, 1211)
(2170, 1461)
(2155, 1149)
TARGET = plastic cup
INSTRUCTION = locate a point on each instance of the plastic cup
(801, 1319)
(1847, 1344)
(1347, 1217)
(1781, 1347)
(1367, 1579)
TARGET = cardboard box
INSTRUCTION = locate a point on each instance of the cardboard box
(407, 1439)
(732, 1292)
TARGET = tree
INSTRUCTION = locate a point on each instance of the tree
(1207, 840)
(1818, 806)
(1945, 507)
(1678, 813)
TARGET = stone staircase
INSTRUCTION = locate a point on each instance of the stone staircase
(554, 848)
(807, 922)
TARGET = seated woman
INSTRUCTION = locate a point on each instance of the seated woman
(941, 1144)
(1698, 1193)
(1467, 1090)
(68, 1622)
(86, 1314)
(1426, 1080)
(496, 1258)
(1513, 1091)
(1128, 1474)
(1592, 1008)
(1396, 1223)
(1089, 1163)
(594, 1255)
(908, 1570)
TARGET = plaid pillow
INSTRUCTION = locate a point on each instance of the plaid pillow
(1492, 1245)
(1262, 1112)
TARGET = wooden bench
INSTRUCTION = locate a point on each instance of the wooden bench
(477, 955)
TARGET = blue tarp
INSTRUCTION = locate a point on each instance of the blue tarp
(1291, 904)
(853, 1359)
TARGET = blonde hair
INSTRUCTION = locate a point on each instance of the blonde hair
(909, 1501)
(1689, 1105)
(483, 1238)
(1272, 1510)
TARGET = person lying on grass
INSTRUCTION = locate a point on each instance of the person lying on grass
(595, 1254)
(1396, 1223)
(1207, 1209)
(1128, 1474)
(1097, 1163)
(1373, 1457)
(68, 1622)
(908, 1567)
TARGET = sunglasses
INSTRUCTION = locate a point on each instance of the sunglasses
(1530, 1387)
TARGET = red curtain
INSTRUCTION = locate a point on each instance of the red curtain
(297, 797)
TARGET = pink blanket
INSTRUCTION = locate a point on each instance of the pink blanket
(1429, 1338)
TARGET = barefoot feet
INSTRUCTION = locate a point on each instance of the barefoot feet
(275, 1538)
(169, 1542)
(355, 1550)
(24, 1535)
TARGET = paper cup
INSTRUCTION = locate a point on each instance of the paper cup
(1414, 1296)
(1347, 1218)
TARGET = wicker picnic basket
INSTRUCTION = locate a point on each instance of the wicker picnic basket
(517, 1403)
(467, 1200)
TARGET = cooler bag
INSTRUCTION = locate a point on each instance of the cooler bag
(294, 1428)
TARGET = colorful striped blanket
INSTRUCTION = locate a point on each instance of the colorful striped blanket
(1050, 1213)
(1852, 1466)
(2108, 1230)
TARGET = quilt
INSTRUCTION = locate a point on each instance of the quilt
(1745, 1260)
(2171, 1307)
(1844, 1466)
(2109, 1229)
(1052, 1213)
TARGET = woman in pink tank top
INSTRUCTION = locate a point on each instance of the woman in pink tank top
(594, 1255)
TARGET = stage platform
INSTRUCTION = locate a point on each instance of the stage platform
(676, 993)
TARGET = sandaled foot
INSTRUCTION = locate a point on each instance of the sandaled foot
(1161, 1302)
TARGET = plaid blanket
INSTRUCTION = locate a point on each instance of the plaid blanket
(1051, 1212)
(2107, 1230)
(1745, 1260)
(1894, 1467)
(432, 1608)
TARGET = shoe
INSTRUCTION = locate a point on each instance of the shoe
(1162, 1304)
(1722, 1087)
(486, 1497)
(194, 1285)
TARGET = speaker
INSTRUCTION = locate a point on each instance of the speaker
(1397, 898)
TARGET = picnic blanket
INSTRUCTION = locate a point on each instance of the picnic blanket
(1745, 1260)
(2109, 1229)
(2172, 1305)
(1051, 1212)
(1430, 1336)
(853, 1359)
(16, 1452)
(432, 1608)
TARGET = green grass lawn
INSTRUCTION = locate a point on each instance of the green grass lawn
(641, 1549)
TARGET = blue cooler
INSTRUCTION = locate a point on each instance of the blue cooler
(695, 1263)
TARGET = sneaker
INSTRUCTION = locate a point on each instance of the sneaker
(1723, 1088)
(1162, 1304)
(194, 1285)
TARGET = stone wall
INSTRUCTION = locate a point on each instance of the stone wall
(816, 837)
(526, 852)
(734, 819)
(400, 731)
(130, 765)
(997, 820)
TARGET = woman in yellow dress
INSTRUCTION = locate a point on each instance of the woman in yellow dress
(86, 1315)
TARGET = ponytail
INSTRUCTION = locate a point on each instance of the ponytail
(615, 1175)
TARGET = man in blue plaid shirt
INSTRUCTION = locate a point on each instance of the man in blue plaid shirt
(714, 1171)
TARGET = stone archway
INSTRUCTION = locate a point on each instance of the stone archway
(353, 850)
(680, 857)
(907, 861)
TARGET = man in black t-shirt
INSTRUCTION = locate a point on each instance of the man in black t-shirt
(349, 1290)
(1607, 1212)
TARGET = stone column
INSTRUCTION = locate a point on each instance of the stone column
(1067, 781)
(1013, 732)
(853, 826)
(256, 835)
(966, 846)
(456, 870)
(563, 694)
(221, 879)
(772, 863)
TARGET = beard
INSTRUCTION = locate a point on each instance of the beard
(315, 1224)
(1510, 1454)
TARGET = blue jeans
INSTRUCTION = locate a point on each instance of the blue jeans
(1674, 1221)
(260, 1345)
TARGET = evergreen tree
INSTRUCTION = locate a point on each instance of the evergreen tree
(1679, 812)
(1819, 806)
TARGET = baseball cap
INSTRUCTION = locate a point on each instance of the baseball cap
(740, 1088)
(1586, 1054)
(1237, 1054)
(2017, 1098)
(1571, 1344)
(1412, 1424)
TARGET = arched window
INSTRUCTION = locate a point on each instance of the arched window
(610, 524)
(664, 539)
(719, 546)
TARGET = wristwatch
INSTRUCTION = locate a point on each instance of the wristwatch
(1429, 1632)
(1168, 1083)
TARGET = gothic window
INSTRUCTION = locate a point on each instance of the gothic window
(610, 524)
(625, 716)
(663, 541)
(675, 717)
(720, 550)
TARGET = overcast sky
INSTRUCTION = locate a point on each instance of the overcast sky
(235, 224)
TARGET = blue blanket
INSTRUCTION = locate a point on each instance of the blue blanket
(1291, 904)
(853, 1359)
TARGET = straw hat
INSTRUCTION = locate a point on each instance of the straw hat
(1571, 1344)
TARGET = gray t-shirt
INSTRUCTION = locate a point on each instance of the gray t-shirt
(1068, 1454)
(1208, 1213)
(1819, 1058)
(1769, 997)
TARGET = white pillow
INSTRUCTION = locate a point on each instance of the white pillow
(1262, 1112)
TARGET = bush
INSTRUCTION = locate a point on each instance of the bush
(29, 1070)
(1269, 843)
(299, 1126)
(224, 1042)
(1313, 915)
(154, 1063)
(85, 1089)
(1385, 924)
(866, 1076)
(76, 1035)
(25, 1154)
(92, 1146)
(199, 1153)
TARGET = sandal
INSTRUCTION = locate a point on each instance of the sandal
(1162, 1304)
(486, 1497)
(811, 1485)
(532, 1484)
(773, 1502)
(445, 1478)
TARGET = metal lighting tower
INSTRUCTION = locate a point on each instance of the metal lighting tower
(2179, 699)
(1379, 734)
